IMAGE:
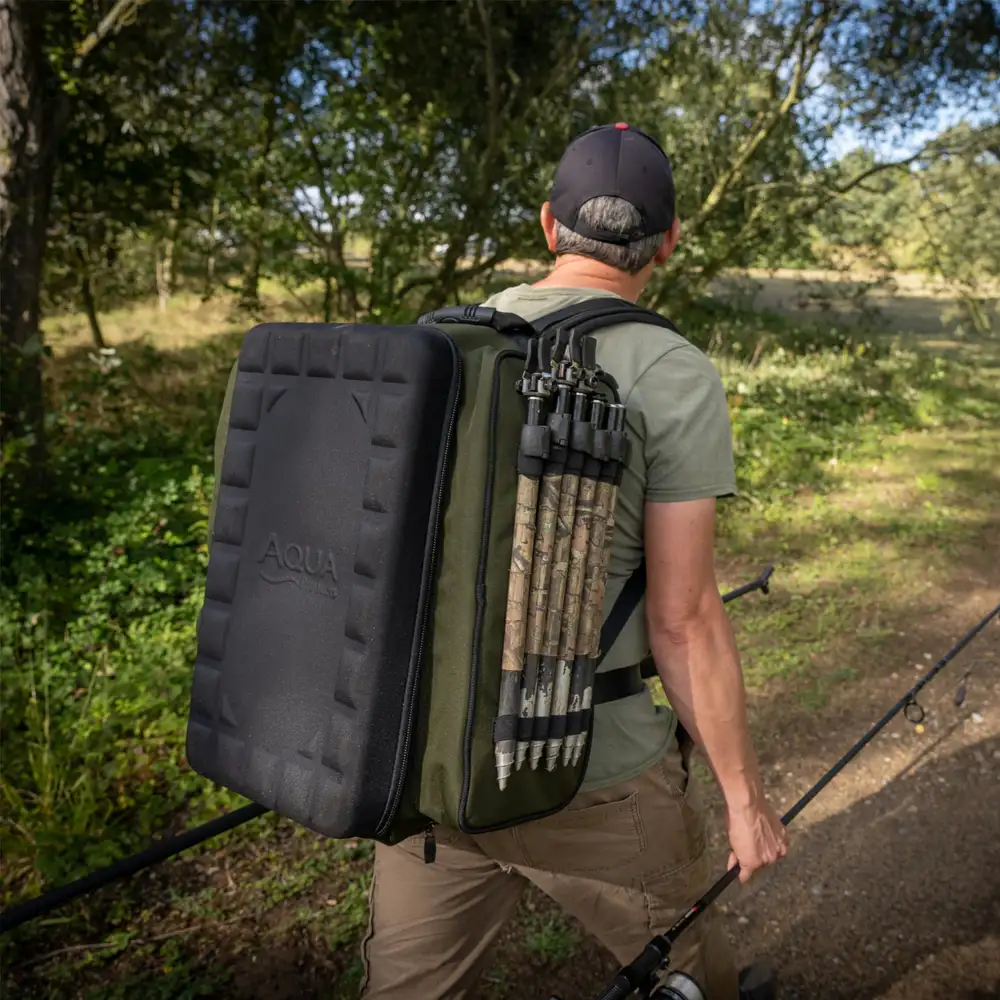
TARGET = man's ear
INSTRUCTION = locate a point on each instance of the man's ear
(669, 243)
(548, 221)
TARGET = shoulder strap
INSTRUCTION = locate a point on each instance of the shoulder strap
(622, 609)
(588, 317)
(595, 314)
(585, 317)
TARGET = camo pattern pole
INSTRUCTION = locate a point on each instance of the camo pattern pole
(618, 454)
(582, 357)
(561, 560)
(581, 653)
(578, 665)
(533, 450)
(546, 665)
(541, 571)
(558, 623)
(583, 566)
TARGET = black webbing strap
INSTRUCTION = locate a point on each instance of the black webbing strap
(622, 609)
(613, 685)
(627, 681)
(595, 314)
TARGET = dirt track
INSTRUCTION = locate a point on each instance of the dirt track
(891, 890)
(892, 887)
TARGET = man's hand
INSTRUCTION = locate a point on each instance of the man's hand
(757, 838)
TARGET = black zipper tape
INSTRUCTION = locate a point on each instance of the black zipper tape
(416, 667)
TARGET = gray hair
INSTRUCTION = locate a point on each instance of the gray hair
(615, 214)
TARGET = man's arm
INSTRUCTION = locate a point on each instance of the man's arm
(695, 652)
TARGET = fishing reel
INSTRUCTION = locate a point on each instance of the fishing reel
(676, 986)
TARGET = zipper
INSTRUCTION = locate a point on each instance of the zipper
(484, 545)
(435, 525)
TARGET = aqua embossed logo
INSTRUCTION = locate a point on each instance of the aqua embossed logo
(311, 569)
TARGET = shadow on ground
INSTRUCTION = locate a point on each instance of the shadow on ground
(883, 890)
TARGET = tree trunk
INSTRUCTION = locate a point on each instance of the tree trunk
(250, 289)
(250, 293)
(32, 113)
(213, 240)
(162, 292)
(89, 306)
(169, 247)
(327, 286)
(346, 283)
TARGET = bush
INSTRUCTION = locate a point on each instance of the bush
(101, 585)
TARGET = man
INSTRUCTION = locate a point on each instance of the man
(629, 854)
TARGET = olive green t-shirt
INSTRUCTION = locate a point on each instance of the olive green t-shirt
(678, 423)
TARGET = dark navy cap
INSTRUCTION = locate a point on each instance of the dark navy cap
(619, 161)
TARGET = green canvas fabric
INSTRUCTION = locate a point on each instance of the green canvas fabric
(679, 426)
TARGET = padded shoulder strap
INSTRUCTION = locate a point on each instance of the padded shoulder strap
(589, 317)
(595, 314)
(585, 317)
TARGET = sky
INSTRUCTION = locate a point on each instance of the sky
(897, 144)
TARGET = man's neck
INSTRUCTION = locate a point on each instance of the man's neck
(572, 271)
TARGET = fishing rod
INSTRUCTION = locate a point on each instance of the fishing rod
(638, 975)
(161, 850)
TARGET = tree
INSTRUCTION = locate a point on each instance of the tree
(434, 149)
(746, 99)
(38, 82)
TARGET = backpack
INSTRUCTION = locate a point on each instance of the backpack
(403, 610)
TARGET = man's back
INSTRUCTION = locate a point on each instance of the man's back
(630, 853)
(681, 450)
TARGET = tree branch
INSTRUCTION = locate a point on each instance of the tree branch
(492, 86)
(460, 275)
(121, 15)
(807, 53)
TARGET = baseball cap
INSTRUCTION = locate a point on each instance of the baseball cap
(620, 161)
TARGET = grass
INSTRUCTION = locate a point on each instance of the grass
(868, 471)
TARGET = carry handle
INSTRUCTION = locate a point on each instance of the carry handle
(502, 322)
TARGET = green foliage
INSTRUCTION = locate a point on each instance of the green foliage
(98, 604)
(804, 397)
(938, 216)
(552, 939)
(283, 140)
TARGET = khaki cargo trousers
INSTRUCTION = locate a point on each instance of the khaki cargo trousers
(626, 861)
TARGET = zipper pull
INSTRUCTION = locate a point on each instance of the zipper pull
(430, 846)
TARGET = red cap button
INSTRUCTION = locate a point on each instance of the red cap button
(621, 125)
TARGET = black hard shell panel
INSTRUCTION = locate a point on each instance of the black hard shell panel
(318, 576)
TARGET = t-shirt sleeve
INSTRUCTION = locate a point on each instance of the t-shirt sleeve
(688, 437)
